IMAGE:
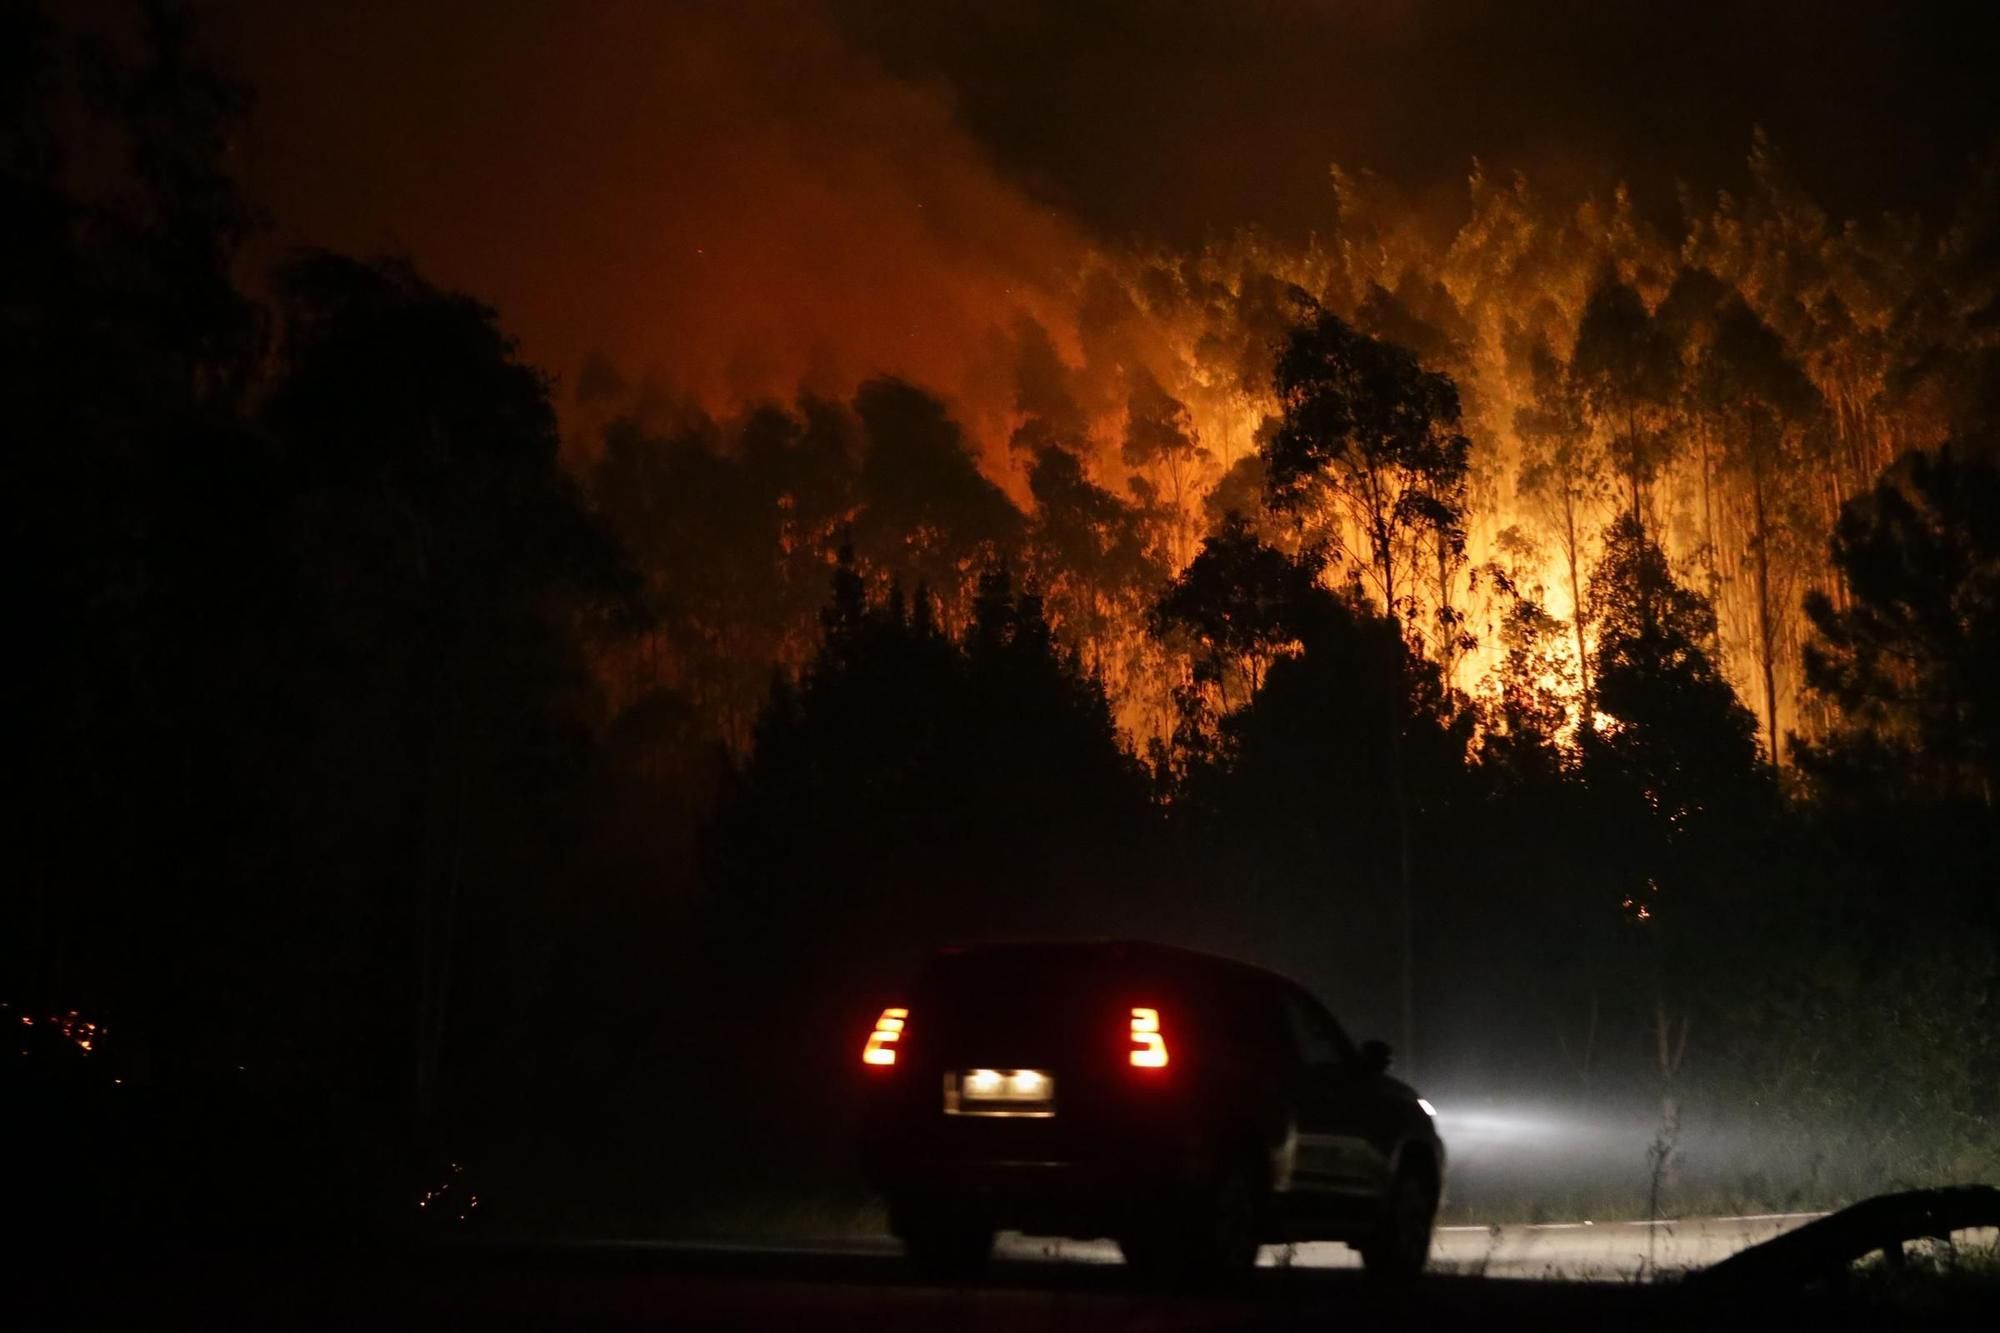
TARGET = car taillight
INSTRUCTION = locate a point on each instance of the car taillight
(881, 1047)
(1149, 1047)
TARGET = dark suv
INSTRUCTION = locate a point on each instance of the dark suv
(1188, 1106)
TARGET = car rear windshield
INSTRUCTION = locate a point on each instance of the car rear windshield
(1054, 1004)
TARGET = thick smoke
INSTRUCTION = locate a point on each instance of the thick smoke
(725, 203)
(734, 202)
(1176, 122)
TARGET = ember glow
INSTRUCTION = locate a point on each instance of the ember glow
(71, 1026)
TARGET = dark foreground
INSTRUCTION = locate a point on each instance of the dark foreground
(640, 1287)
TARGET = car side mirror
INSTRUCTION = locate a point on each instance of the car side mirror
(1376, 1057)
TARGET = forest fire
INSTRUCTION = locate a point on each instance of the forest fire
(564, 547)
(1755, 358)
(1732, 383)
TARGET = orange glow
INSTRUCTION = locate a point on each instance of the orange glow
(881, 1047)
(1149, 1048)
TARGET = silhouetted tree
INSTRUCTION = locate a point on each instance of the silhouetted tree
(927, 514)
(1912, 657)
(1678, 739)
(1422, 316)
(1764, 403)
(907, 788)
(1524, 721)
(1240, 493)
(1160, 440)
(132, 497)
(1369, 438)
(1562, 475)
(1240, 604)
(1348, 756)
(1689, 315)
(1675, 778)
(899, 748)
(314, 712)
(733, 527)
(803, 464)
(447, 577)
(1368, 447)
(1627, 367)
(1042, 391)
(1089, 549)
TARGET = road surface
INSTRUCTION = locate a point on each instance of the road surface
(1573, 1251)
(1569, 1251)
(830, 1287)
(828, 1290)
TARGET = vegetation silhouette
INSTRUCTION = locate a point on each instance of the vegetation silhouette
(1908, 654)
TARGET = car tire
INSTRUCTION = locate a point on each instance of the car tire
(1401, 1244)
(1228, 1243)
(944, 1245)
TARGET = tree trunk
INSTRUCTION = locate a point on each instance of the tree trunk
(1632, 471)
(1586, 1062)
(1666, 1140)
(455, 876)
(1760, 545)
(1399, 794)
(1447, 624)
(1714, 588)
(1577, 615)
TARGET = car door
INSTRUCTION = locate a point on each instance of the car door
(1333, 1154)
(1325, 1155)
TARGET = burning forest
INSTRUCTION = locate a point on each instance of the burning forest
(1730, 385)
(553, 579)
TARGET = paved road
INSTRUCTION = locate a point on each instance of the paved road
(626, 1287)
(1574, 1251)
(1561, 1251)
(830, 1288)
(1571, 1251)
(1596, 1251)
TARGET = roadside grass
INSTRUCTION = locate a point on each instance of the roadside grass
(1819, 1181)
(1623, 1204)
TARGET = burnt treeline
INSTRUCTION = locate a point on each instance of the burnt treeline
(350, 801)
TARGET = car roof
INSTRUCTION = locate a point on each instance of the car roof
(1116, 953)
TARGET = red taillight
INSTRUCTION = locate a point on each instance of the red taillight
(881, 1047)
(1149, 1048)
